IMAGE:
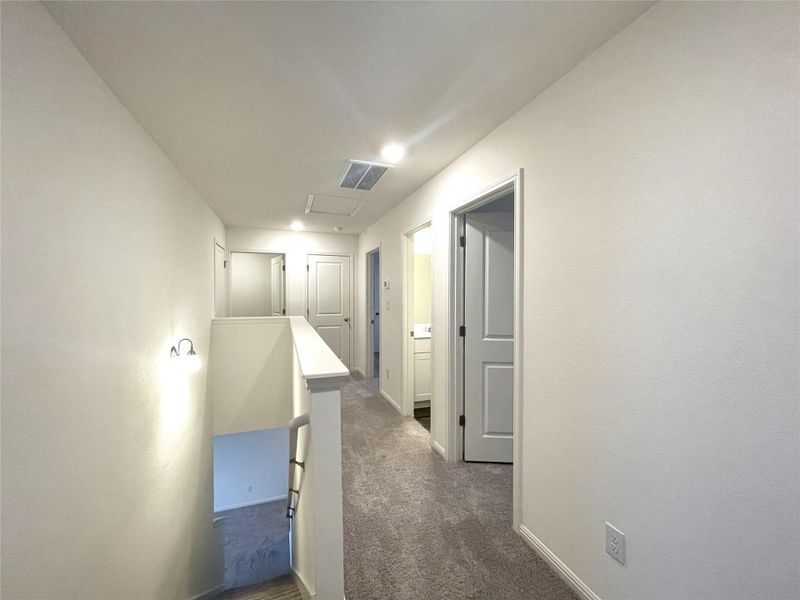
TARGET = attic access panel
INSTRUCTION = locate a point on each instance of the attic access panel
(332, 205)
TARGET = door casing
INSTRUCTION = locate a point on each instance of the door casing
(455, 402)
(221, 301)
(407, 318)
(351, 295)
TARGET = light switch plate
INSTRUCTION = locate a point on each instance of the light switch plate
(615, 543)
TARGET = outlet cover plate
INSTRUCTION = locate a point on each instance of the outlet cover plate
(615, 543)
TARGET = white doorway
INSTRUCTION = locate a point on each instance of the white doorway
(488, 333)
(220, 280)
(373, 305)
(487, 386)
(329, 306)
(257, 284)
(417, 305)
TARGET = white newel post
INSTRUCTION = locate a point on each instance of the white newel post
(326, 453)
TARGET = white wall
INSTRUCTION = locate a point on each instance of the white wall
(317, 527)
(250, 467)
(107, 258)
(249, 374)
(660, 298)
(296, 245)
(251, 284)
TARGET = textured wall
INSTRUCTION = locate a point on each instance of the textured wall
(249, 374)
(296, 245)
(106, 262)
(251, 467)
(660, 298)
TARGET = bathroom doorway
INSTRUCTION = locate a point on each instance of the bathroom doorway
(418, 301)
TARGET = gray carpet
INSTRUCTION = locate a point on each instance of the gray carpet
(418, 528)
(256, 543)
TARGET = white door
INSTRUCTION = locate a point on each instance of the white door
(277, 270)
(220, 282)
(489, 341)
(329, 301)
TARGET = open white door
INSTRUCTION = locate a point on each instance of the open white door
(220, 282)
(329, 301)
(489, 337)
(277, 270)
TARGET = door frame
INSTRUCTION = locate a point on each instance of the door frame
(229, 272)
(248, 250)
(455, 433)
(407, 318)
(351, 257)
(370, 313)
(227, 283)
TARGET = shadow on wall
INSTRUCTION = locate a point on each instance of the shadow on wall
(250, 475)
(256, 543)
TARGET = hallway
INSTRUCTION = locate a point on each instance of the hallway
(418, 528)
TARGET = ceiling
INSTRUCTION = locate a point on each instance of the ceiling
(260, 104)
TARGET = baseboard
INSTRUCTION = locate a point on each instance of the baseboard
(391, 401)
(209, 594)
(562, 570)
(250, 503)
(301, 585)
(437, 447)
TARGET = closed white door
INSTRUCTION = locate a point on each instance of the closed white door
(277, 270)
(489, 341)
(329, 301)
(220, 282)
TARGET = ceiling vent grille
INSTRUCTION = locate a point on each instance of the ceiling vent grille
(362, 175)
(332, 205)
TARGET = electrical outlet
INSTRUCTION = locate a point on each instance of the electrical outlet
(387, 373)
(615, 543)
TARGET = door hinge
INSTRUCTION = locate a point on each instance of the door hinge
(412, 333)
(462, 241)
(308, 268)
(224, 264)
(284, 267)
(461, 421)
(283, 311)
(462, 331)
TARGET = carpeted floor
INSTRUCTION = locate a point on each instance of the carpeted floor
(418, 528)
(256, 543)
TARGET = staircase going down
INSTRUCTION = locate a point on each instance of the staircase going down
(283, 588)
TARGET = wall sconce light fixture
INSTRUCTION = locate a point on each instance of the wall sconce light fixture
(189, 361)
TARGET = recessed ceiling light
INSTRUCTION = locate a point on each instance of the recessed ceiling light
(394, 153)
(297, 226)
